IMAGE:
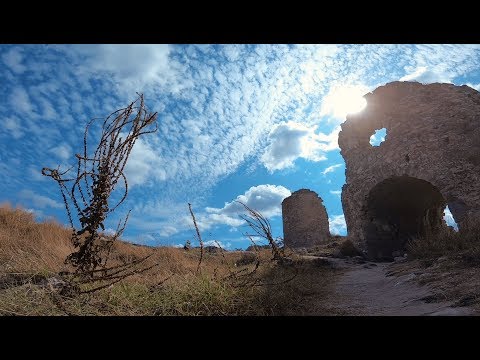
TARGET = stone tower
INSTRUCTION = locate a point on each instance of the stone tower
(305, 220)
(430, 159)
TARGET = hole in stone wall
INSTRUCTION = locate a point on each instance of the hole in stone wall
(448, 217)
(378, 137)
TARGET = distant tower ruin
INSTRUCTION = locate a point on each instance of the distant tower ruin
(305, 220)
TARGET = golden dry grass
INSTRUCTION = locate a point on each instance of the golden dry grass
(464, 244)
(29, 246)
(171, 288)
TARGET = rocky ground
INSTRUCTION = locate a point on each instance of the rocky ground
(401, 288)
(395, 289)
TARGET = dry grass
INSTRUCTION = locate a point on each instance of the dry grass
(27, 246)
(305, 295)
(31, 253)
(464, 245)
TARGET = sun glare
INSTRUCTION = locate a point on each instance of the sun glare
(343, 100)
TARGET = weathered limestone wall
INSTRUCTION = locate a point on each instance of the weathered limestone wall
(433, 134)
(305, 220)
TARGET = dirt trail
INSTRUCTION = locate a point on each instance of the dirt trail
(366, 289)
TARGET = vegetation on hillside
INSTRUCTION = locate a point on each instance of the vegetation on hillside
(32, 255)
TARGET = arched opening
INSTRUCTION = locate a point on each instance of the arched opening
(399, 209)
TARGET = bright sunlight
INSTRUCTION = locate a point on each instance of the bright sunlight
(343, 100)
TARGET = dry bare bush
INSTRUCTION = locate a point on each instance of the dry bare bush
(89, 190)
(251, 276)
(262, 229)
(247, 259)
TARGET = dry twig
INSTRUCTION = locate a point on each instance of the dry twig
(198, 235)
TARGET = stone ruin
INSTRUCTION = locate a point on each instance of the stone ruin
(305, 220)
(430, 159)
(395, 191)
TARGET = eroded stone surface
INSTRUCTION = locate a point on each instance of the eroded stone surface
(305, 220)
(430, 158)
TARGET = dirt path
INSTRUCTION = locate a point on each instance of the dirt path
(366, 289)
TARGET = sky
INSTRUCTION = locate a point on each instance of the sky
(236, 122)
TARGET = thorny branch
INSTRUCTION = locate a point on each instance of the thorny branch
(97, 175)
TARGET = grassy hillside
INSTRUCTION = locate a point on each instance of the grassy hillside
(32, 254)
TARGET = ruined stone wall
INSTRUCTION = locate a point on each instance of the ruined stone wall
(433, 134)
(305, 220)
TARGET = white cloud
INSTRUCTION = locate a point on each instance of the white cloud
(217, 243)
(49, 112)
(425, 75)
(14, 60)
(13, 127)
(62, 151)
(337, 225)
(164, 218)
(331, 169)
(267, 199)
(164, 227)
(440, 63)
(206, 221)
(36, 173)
(39, 214)
(110, 231)
(168, 230)
(291, 140)
(39, 201)
(474, 86)
(20, 101)
(144, 164)
(336, 192)
(133, 67)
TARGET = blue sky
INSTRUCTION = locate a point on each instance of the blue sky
(247, 122)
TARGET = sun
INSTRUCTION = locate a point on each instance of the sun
(344, 99)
